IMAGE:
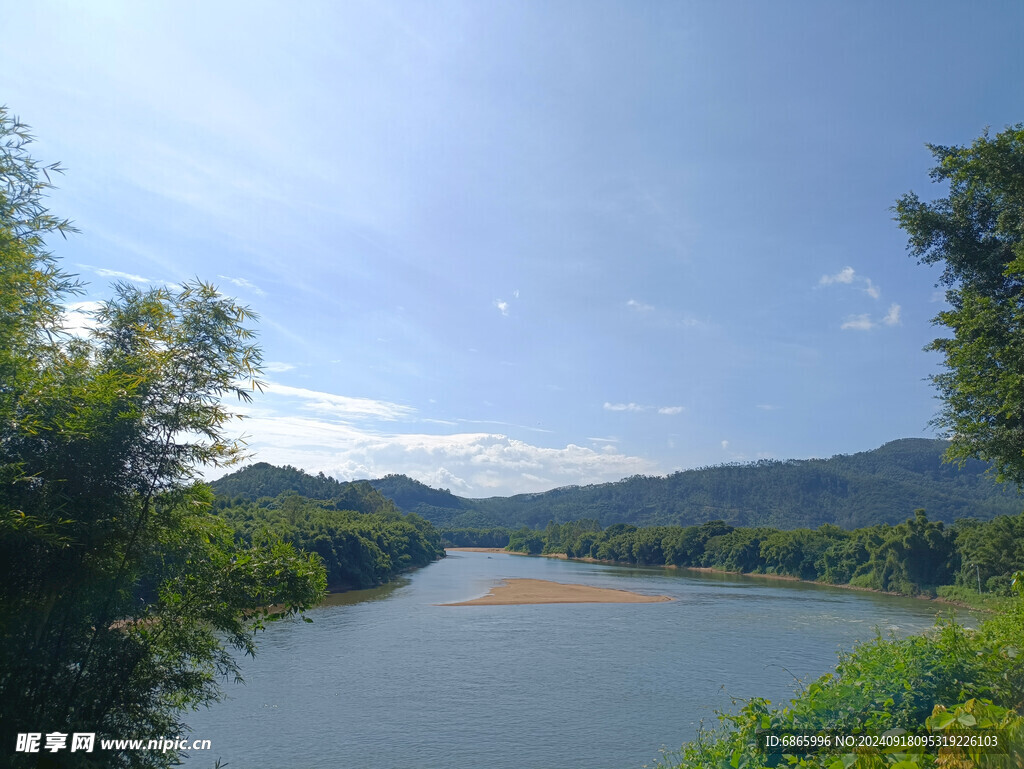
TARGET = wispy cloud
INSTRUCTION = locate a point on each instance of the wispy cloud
(848, 276)
(243, 283)
(845, 275)
(341, 406)
(664, 318)
(277, 367)
(502, 424)
(502, 306)
(633, 304)
(103, 272)
(768, 407)
(636, 407)
(624, 407)
(864, 321)
(861, 322)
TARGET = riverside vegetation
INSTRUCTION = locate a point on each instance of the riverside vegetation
(123, 595)
(360, 536)
(916, 557)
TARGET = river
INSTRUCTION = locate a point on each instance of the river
(387, 679)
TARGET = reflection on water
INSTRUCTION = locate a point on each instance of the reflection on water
(352, 597)
(386, 679)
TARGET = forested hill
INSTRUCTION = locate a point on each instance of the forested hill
(362, 538)
(265, 480)
(885, 485)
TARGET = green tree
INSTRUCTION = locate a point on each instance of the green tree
(121, 596)
(977, 234)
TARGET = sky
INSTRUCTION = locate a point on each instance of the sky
(503, 247)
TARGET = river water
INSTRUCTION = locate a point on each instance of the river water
(387, 679)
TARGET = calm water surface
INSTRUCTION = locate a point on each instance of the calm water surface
(387, 679)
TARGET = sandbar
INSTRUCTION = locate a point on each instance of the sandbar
(532, 591)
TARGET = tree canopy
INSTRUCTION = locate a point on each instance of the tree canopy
(121, 594)
(977, 234)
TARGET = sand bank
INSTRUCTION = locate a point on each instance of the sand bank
(479, 550)
(531, 591)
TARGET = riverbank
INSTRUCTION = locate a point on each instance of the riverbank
(513, 592)
(777, 577)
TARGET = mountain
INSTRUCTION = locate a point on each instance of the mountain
(885, 485)
(263, 480)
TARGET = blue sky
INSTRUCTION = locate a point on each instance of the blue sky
(507, 246)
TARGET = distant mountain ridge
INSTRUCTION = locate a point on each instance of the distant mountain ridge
(884, 485)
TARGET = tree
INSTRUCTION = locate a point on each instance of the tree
(977, 234)
(120, 594)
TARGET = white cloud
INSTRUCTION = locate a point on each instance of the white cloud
(277, 367)
(845, 275)
(858, 323)
(79, 318)
(445, 479)
(341, 406)
(473, 464)
(624, 407)
(103, 272)
(725, 445)
(502, 306)
(848, 276)
(637, 407)
(243, 283)
(863, 322)
(768, 407)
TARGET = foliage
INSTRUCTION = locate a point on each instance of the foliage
(119, 590)
(949, 681)
(358, 549)
(916, 556)
(475, 537)
(977, 235)
(526, 540)
(265, 480)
